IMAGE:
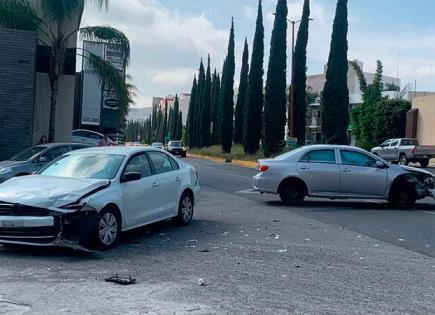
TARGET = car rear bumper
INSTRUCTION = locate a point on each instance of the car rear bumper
(177, 152)
(265, 184)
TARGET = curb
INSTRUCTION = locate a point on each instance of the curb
(247, 164)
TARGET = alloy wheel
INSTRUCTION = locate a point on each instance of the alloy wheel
(186, 209)
(108, 229)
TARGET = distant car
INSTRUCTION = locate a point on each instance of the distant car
(89, 197)
(34, 158)
(176, 148)
(405, 150)
(157, 145)
(90, 137)
(341, 172)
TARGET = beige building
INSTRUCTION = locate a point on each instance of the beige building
(421, 120)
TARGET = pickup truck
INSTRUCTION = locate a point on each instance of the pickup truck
(404, 151)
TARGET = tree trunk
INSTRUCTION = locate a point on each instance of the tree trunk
(53, 104)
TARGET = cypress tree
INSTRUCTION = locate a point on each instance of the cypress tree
(199, 104)
(205, 120)
(300, 81)
(174, 121)
(179, 130)
(154, 123)
(228, 95)
(335, 96)
(170, 122)
(215, 107)
(252, 126)
(188, 137)
(241, 97)
(275, 97)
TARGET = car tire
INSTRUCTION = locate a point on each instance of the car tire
(424, 163)
(403, 160)
(292, 194)
(185, 210)
(402, 197)
(107, 229)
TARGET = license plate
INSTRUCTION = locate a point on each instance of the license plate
(11, 224)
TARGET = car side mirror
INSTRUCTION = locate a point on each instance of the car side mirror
(131, 177)
(380, 164)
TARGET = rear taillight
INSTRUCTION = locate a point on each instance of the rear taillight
(263, 168)
(414, 149)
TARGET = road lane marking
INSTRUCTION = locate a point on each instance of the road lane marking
(240, 176)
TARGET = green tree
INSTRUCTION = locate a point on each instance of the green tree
(216, 88)
(300, 80)
(335, 97)
(188, 139)
(363, 115)
(199, 105)
(389, 120)
(50, 23)
(241, 97)
(205, 120)
(228, 95)
(174, 119)
(252, 126)
(179, 130)
(275, 97)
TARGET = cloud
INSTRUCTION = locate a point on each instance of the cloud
(249, 12)
(178, 76)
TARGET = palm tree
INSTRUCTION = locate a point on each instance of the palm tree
(50, 27)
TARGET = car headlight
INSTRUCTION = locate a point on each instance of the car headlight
(5, 170)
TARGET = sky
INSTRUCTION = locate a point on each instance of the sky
(169, 37)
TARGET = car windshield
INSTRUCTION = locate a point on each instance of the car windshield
(157, 144)
(28, 154)
(177, 144)
(95, 166)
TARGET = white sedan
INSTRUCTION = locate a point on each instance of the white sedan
(88, 197)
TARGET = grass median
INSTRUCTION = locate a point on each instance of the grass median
(237, 153)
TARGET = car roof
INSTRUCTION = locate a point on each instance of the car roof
(88, 131)
(114, 150)
(332, 146)
(50, 145)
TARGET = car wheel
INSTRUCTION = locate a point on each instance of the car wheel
(403, 197)
(424, 163)
(292, 194)
(107, 229)
(403, 160)
(185, 210)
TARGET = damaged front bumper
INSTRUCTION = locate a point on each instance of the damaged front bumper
(24, 225)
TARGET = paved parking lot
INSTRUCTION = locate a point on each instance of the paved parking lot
(253, 254)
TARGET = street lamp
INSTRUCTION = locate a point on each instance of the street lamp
(291, 120)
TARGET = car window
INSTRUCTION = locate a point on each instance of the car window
(93, 136)
(139, 164)
(406, 142)
(53, 154)
(161, 162)
(28, 154)
(394, 143)
(174, 164)
(386, 143)
(79, 133)
(357, 158)
(319, 156)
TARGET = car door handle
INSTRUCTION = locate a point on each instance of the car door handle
(304, 168)
(178, 179)
(346, 170)
(155, 184)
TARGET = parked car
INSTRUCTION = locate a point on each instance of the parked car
(157, 145)
(90, 137)
(89, 197)
(34, 158)
(341, 172)
(405, 150)
(176, 148)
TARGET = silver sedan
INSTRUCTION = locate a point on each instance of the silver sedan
(341, 172)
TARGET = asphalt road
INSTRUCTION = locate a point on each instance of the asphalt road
(410, 229)
(254, 256)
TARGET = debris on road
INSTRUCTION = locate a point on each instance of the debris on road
(201, 282)
(123, 280)
(282, 251)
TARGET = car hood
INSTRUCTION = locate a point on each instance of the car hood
(47, 191)
(9, 163)
(415, 170)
